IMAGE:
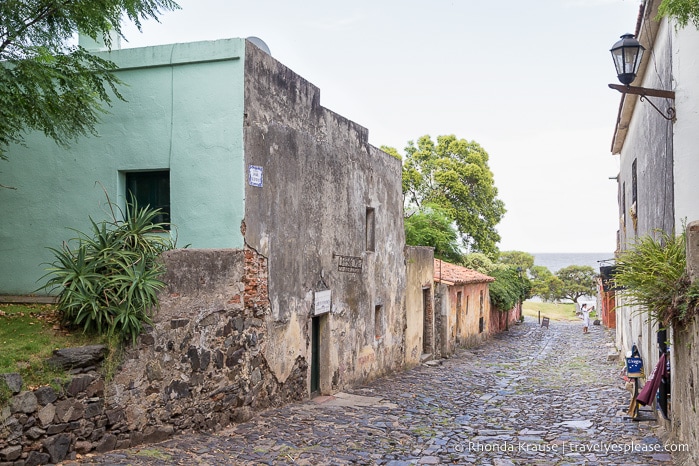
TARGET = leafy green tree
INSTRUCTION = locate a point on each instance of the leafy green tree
(392, 152)
(683, 11)
(523, 260)
(539, 272)
(48, 85)
(479, 262)
(454, 174)
(577, 281)
(540, 278)
(432, 227)
(509, 288)
(545, 284)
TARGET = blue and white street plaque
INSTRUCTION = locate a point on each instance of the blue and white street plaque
(255, 176)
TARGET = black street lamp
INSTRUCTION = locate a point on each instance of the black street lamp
(627, 54)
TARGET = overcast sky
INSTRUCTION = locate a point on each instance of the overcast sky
(525, 79)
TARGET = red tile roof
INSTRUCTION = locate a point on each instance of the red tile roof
(457, 275)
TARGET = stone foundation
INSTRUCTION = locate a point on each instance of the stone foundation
(200, 366)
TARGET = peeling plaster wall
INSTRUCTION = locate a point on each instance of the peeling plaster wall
(685, 391)
(320, 177)
(666, 154)
(464, 330)
(649, 143)
(685, 367)
(685, 69)
(466, 333)
(685, 362)
(420, 276)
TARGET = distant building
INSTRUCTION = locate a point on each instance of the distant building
(462, 303)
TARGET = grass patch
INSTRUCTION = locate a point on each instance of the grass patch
(424, 432)
(28, 336)
(293, 452)
(554, 311)
(154, 453)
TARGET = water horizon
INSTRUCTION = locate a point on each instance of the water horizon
(555, 261)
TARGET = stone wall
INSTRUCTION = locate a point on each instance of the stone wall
(49, 425)
(685, 366)
(685, 391)
(200, 365)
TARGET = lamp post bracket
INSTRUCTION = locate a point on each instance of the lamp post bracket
(642, 91)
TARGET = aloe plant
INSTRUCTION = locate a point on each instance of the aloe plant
(653, 276)
(108, 281)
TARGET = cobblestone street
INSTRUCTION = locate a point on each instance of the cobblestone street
(531, 395)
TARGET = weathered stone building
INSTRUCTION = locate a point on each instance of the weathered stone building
(294, 281)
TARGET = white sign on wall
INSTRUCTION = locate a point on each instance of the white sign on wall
(255, 176)
(322, 302)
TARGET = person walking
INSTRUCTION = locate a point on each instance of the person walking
(585, 317)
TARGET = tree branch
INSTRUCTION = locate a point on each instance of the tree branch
(47, 12)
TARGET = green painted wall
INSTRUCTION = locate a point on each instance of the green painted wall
(184, 113)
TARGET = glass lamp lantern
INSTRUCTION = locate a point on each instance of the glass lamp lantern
(627, 54)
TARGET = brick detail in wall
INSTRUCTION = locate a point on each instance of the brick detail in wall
(255, 280)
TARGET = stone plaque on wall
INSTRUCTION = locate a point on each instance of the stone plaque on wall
(350, 264)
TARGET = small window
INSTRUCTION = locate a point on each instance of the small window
(634, 183)
(378, 321)
(150, 189)
(370, 229)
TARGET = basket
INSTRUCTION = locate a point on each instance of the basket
(634, 367)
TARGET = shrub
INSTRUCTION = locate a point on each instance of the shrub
(653, 276)
(109, 282)
(509, 288)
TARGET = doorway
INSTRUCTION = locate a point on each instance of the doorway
(427, 322)
(315, 355)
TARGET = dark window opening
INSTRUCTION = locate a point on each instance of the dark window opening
(150, 189)
(378, 321)
(458, 312)
(634, 183)
(370, 246)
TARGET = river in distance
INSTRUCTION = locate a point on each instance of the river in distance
(557, 260)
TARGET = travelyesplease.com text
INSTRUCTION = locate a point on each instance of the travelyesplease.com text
(569, 447)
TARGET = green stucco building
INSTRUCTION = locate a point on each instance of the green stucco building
(181, 126)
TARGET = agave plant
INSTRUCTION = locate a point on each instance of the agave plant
(653, 275)
(109, 282)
